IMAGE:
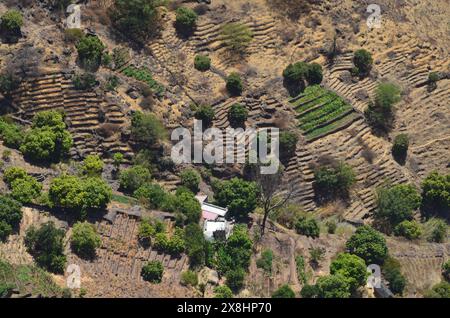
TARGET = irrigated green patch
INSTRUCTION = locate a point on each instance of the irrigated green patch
(321, 111)
(143, 74)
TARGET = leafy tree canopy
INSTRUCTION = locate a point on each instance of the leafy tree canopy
(368, 244)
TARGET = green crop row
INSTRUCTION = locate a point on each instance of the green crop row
(326, 98)
(143, 74)
(334, 125)
(323, 119)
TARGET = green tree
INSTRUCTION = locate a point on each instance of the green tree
(352, 267)
(202, 63)
(96, 194)
(397, 203)
(236, 37)
(223, 292)
(189, 278)
(151, 194)
(117, 160)
(186, 20)
(11, 134)
(235, 278)
(436, 194)
(136, 19)
(408, 229)
(153, 272)
(234, 84)
(379, 114)
(368, 244)
(309, 291)
(25, 190)
(333, 286)
(92, 166)
(446, 270)
(238, 195)
(133, 178)
(296, 73)
(206, 115)
(400, 147)
(8, 83)
(284, 292)
(333, 180)
(190, 178)
(189, 206)
(441, 290)
(13, 173)
(46, 245)
(11, 22)
(307, 226)
(85, 239)
(195, 245)
(85, 81)
(438, 231)
(237, 115)
(314, 74)
(90, 51)
(363, 61)
(265, 261)
(288, 144)
(10, 216)
(391, 270)
(147, 130)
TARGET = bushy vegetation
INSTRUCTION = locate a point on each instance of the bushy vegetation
(239, 196)
(435, 230)
(189, 278)
(297, 73)
(8, 83)
(380, 112)
(90, 51)
(85, 81)
(234, 84)
(11, 23)
(307, 226)
(368, 244)
(392, 273)
(236, 37)
(133, 178)
(205, 114)
(143, 74)
(186, 20)
(190, 178)
(79, 195)
(397, 203)
(10, 216)
(24, 188)
(400, 147)
(173, 244)
(285, 291)
(352, 268)
(223, 292)
(265, 261)
(151, 195)
(408, 229)
(333, 180)
(333, 286)
(288, 144)
(92, 166)
(85, 239)
(153, 272)
(48, 140)
(46, 245)
(363, 62)
(196, 245)
(441, 290)
(237, 115)
(147, 130)
(202, 62)
(73, 35)
(137, 20)
(436, 195)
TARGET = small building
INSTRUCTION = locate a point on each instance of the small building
(216, 230)
(210, 212)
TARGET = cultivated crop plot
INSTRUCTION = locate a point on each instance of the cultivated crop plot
(224, 152)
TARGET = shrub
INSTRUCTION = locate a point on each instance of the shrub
(46, 245)
(446, 270)
(296, 73)
(284, 292)
(236, 37)
(438, 232)
(237, 115)
(153, 272)
(202, 63)
(117, 160)
(146, 130)
(191, 180)
(316, 255)
(136, 19)
(408, 229)
(25, 190)
(235, 279)
(331, 226)
(368, 244)
(223, 292)
(352, 267)
(13, 173)
(11, 22)
(314, 74)
(133, 178)
(308, 227)
(151, 194)
(234, 84)
(436, 194)
(288, 144)
(235, 252)
(441, 290)
(333, 286)
(146, 232)
(309, 291)
(195, 245)
(363, 61)
(392, 273)
(120, 56)
(333, 180)
(186, 20)
(92, 166)
(85, 81)
(73, 35)
(90, 51)
(379, 114)
(397, 203)
(205, 114)
(400, 147)
(189, 278)
(238, 195)
(85, 239)
(11, 134)
(189, 206)
(10, 216)
(8, 83)
(265, 262)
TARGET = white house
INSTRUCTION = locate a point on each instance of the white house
(214, 223)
